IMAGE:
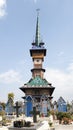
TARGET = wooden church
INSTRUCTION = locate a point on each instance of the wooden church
(38, 91)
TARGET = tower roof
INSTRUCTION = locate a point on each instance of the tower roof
(37, 37)
(38, 83)
(37, 43)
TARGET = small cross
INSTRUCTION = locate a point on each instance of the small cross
(17, 108)
(34, 113)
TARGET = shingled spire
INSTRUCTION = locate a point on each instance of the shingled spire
(37, 37)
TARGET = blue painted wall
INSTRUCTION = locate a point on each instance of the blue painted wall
(28, 106)
(62, 108)
(44, 108)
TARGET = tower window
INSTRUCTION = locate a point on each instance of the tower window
(38, 60)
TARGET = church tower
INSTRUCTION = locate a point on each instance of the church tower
(38, 91)
(37, 53)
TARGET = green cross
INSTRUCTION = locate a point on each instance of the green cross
(17, 108)
(34, 113)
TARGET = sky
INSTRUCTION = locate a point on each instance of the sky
(17, 32)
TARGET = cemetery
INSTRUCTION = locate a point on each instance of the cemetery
(39, 113)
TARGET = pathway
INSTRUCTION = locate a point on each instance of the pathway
(63, 127)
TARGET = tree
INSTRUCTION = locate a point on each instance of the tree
(10, 95)
(2, 113)
(69, 106)
(3, 105)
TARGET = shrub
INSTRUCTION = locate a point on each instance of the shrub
(50, 124)
(18, 123)
(27, 124)
(21, 123)
(63, 115)
(65, 120)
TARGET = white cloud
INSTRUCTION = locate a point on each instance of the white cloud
(62, 81)
(70, 68)
(10, 76)
(2, 8)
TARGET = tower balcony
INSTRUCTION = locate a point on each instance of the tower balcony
(37, 69)
(38, 51)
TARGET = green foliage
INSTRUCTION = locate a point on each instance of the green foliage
(63, 115)
(52, 112)
(21, 123)
(27, 124)
(3, 105)
(69, 106)
(2, 113)
(11, 98)
(10, 95)
(50, 124)
(67, 115)
(59, 115)
(48, 113)
(18, 123)
(5, 121)
(72, 116)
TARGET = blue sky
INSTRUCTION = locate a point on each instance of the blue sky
(17, 32)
